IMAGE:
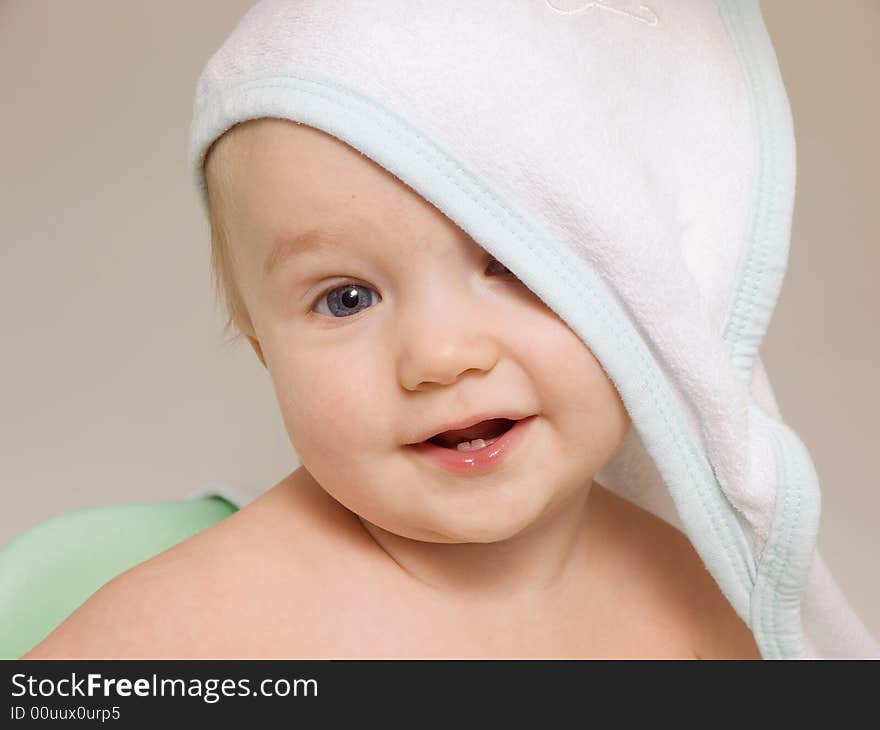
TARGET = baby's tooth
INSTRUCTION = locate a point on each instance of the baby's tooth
(475, 444)
(471, 445)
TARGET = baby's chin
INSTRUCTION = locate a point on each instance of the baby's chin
(476, 527)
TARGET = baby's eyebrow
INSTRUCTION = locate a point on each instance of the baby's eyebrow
(288, 246)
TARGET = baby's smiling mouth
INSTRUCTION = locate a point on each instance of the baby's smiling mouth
(493, 441)
(486, 431)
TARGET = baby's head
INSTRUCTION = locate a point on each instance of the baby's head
(381, 322)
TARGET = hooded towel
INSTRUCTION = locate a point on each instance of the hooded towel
(634, 165)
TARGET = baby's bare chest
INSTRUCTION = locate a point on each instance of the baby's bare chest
(325, 599)
(334, 619)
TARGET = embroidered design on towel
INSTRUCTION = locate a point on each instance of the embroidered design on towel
(644, 14)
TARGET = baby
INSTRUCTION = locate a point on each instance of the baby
(449, 426)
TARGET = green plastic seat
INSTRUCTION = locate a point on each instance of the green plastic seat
(50, 570)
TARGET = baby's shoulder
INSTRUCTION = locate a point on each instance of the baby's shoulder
(206, 596)
(156, 609)
(663, 562)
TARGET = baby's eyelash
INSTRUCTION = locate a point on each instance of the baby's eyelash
(337, 287)
(341, 285)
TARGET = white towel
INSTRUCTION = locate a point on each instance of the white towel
(634, 165)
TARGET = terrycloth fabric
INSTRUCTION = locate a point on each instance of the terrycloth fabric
(634, 165)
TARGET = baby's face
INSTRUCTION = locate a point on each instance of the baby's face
(380, 321)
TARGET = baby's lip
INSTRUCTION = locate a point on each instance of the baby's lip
(472, 421)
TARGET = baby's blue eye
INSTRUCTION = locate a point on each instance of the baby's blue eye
(346, 300)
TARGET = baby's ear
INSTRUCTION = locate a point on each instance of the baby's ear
(257, 349)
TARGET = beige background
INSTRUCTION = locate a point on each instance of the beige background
(114, 384)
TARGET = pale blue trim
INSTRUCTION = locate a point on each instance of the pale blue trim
(783, 565)
(768, 224)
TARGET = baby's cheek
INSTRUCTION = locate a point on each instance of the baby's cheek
(323, 409)
(565, 362)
